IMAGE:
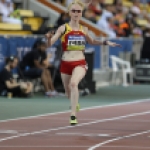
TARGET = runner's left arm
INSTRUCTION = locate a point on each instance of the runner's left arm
(93, 41)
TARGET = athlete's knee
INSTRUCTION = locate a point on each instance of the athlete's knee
(73, 84)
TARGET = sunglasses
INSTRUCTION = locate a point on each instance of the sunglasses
(78, 11)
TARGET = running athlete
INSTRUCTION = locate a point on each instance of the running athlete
(73, 65)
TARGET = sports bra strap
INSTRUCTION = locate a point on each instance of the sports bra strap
(68, 27)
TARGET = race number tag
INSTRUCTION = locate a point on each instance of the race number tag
(76, 42)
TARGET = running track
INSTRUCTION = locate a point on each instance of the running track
(124, 126)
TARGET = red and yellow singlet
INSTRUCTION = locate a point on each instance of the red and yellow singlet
(73, 40)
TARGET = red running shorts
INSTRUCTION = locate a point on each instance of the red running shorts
(67, 67)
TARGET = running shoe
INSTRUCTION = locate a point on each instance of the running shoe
(73, 120)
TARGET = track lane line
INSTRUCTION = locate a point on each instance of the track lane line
(117, 139)
(68, 127)
(74, 146)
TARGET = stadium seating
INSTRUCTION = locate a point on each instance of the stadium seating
(26, 13)
(8, 26)
(33, 19)
(32, 23)
(15, 29)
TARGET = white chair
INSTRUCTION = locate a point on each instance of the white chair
(125, 68)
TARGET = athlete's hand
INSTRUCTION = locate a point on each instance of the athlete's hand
(113, 44)
(49, 34)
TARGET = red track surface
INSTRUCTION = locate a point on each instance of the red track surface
(120, 127)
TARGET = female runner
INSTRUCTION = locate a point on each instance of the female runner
(73, 65)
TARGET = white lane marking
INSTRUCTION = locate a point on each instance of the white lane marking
(75, 146)
(84, 109)
(117, 139)
(68, 127)
(8, 132)
(131, 147)
(64, 119)
(86, 119)
(97, 135)
(70, 134)
(48, 146)
(83, 134)
(137, 120)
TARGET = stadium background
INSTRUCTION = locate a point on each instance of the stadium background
(40, 16)
(115, 116)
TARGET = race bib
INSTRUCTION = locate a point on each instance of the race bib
(76, 42)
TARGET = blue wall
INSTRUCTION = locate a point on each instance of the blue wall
(20, 45)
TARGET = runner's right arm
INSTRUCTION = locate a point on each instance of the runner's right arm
(52, 38)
